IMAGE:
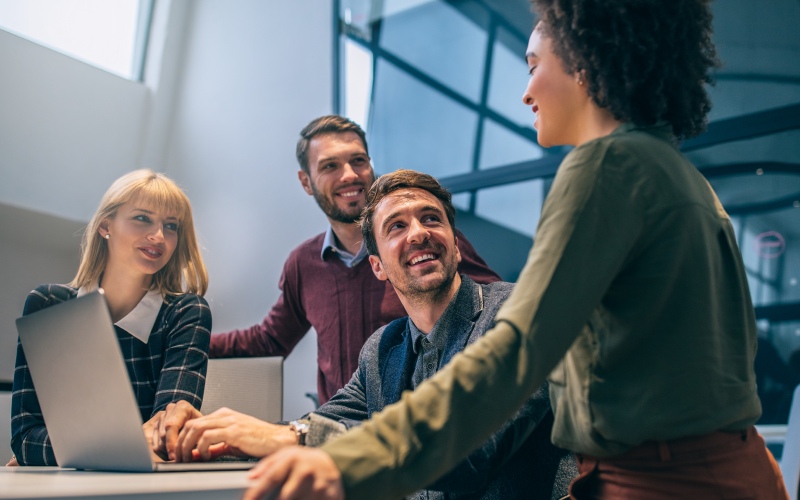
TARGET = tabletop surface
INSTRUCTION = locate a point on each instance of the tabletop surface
(54, 482)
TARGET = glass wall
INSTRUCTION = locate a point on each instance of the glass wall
(444, 97)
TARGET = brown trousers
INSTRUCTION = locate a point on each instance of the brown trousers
(720, 465)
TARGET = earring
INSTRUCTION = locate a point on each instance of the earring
(107, 236)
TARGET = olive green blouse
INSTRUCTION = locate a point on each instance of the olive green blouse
(634, 304)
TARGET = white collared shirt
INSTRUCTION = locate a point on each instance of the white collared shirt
(140, 321)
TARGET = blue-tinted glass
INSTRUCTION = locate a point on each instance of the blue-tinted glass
(509, 77)
(358, 82)
(440, 41)
(356, 14)
(752, 188)
(515, 206)
(758, 43)
(782, 147)
(461, 201)
(416, 127)
(770, 246)
(503, 147)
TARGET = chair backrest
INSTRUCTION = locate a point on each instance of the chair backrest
(253, 386)
(790, 459)
(5, 427)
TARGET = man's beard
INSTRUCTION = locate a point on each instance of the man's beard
(425, 294)
(332, 210)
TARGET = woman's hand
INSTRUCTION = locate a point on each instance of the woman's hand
(13, 462)
(162, 430)
(296, 472)
(232, 433)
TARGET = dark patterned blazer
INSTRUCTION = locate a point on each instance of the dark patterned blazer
(517, 462)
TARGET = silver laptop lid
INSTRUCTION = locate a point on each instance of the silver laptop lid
(83, 387)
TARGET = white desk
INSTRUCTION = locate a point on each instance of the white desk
(52, 482)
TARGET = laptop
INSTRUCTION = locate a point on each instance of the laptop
(85, 392)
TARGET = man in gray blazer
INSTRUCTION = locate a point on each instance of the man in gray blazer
(408, 225)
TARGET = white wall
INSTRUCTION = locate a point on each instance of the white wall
(228, 87)
(255, 73)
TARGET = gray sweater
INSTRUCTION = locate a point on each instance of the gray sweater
(513, 463)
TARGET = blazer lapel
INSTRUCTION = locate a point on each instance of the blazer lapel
(397, 360)
(469, 306)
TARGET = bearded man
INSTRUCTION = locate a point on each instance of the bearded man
(327, 282)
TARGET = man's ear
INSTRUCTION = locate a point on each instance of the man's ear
(377, 267)
(305, 180)
(458, 252)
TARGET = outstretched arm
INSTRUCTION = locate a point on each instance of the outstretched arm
(478, 469)
(589, 224)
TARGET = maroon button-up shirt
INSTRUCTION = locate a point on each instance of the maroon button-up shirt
(344, 305)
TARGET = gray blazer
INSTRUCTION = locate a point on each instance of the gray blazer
(513, 463)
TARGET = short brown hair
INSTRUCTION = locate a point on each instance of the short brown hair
(401, 179)
(329, 124)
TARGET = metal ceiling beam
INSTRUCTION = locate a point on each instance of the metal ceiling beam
(731, 129)
(749, 126)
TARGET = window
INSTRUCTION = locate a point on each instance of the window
(445, 98)
(111, 35)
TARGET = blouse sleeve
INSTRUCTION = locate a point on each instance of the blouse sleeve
(588, 226)
(183, 374)
(29, 439)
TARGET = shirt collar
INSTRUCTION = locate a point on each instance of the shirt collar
(140, 321)
(330, 242)
(439, 332)
(660, 129)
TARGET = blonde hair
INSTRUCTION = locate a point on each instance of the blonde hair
(185, 267)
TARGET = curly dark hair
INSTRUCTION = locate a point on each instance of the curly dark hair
(645, 60)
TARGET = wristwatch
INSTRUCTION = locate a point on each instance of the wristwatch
(300, 427)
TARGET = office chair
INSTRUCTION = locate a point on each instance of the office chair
(253, 386)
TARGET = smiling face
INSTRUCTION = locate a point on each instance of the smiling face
(339, 175)
(416, 244)
(555, 96)
(141, 240)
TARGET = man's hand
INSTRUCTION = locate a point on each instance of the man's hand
(242, 435)
(12, 462)
(165, 426)
(296, 472)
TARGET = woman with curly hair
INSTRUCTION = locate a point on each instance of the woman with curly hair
(634, 302)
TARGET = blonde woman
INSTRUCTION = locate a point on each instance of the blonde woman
(140, 247)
